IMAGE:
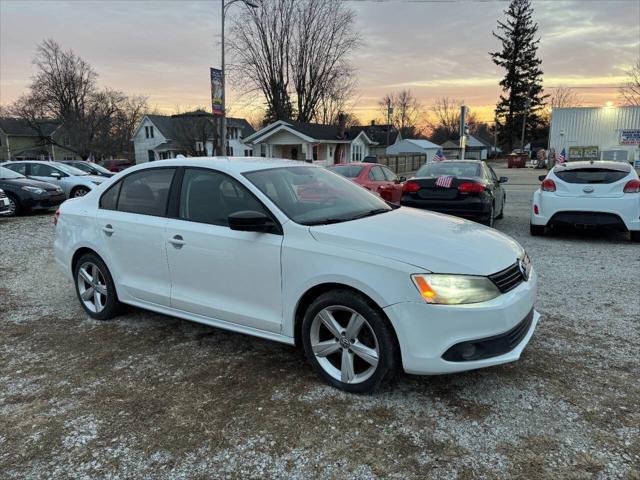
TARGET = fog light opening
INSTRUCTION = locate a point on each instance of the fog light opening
(467, 351)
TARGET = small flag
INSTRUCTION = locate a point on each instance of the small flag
(439, 156)
(562, 157)
(444, 182)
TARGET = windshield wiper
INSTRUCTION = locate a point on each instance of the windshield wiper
(370, 213)
(326, 221)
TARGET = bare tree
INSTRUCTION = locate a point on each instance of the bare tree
(444, 120)
(407, 111)
(564, 97)
(338, 99)
(630, 91)
(295, 53)
(192, 130)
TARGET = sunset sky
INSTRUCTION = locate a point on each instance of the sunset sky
(163, 49)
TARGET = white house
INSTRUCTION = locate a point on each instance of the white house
(156, 138)
(605, 133)
(311, 142)
(411, 145)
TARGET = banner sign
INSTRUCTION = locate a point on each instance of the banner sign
(584, 153)
(216, 91)
(630, 137)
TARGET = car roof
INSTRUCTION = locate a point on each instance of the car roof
(618, 166)
(354, 164)
(226, 164)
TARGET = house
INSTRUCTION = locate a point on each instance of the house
(597, 133)
(475, 149)
(414, 145)
(195, 133)
(311, 142)
(20, 141)
(381, 134)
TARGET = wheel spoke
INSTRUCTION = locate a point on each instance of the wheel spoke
(87, 294)
(353, 327)
(369, 355)
(323, 349)
(332, 325)
(347, 374)
(85, 276)
(101, 289)
(96, 301)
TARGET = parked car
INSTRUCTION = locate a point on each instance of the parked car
(370, 159)
(91, 168)
(74, 182)
(116, 165)
(595, 194)
(373, 177)
(464, 188)
(5, 206)
(24, 194)
(362, 286)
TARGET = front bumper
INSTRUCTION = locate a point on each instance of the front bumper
(426, 332)
(44, 201)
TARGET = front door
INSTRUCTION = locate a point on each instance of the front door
(217, 272)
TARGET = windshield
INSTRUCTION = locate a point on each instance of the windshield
(7, 174)
(89, 167)
(456, 169)
(314, 196)
(69, 170)
(349, 171)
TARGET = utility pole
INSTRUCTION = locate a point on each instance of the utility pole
(524, 123)
(463, 131)
(389, 112)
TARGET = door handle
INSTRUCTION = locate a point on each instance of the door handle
(108, 230)
(177, 241)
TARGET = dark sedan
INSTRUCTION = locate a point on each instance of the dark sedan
(26, 194)
(89, 167)
(464, 188)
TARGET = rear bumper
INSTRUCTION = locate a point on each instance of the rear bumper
(470, 207)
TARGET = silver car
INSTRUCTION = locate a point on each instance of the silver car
(74, 182)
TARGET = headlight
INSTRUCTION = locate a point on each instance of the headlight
(33, 189)
(454, 289)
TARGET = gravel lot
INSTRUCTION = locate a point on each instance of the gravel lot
(152, 396)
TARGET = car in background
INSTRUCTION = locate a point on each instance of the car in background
(5, 206)
(91, 168)
(372, 176)
(25, 194)
(73, 182)
(116, 165)
(587, 195)
(464, 188)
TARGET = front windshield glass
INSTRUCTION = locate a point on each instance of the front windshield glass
(69, 170)
(456, 169)
(314, 196)
(349, 171)
(7, 174)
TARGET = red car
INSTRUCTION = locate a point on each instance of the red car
(116, 165)
(374, 177)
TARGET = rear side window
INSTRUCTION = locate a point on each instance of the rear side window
(376, 174)
(109, 199)
(146, 192)
(21, 168)
(389, 175)
(349, 171)
(591, 175)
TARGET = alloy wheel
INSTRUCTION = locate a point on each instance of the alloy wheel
(92, 287)
(344, 344)
(80, 192)
(13, 208)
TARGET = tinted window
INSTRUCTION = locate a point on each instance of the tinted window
(591, 175)
(109, 199)
(146, 192)
(457, 169)
(210, 197)
(84, 167)
(492, 174)
(42, 170)
(21, 168)
(5, 173)
(349, 171)
(389, 175)
(376, 174)
(69, 169)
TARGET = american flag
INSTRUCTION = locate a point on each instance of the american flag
(444, 182)
(439, 156)
(562, 157)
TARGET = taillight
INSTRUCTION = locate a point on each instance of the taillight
(470, 187)
(548, 185)
(56, 216)
(536, 210)
(410, 187)
(632, 186)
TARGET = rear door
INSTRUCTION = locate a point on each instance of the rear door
(591, 182)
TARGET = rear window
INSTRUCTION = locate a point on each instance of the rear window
(349, 171)
(591, 175)
(456, 169)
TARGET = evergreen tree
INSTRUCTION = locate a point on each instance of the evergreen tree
(522, 83)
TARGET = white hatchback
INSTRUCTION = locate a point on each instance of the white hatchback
(294, 253)
(588, 195)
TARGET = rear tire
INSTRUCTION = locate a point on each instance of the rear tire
(634, 236)
(536, 230)
(95, 288)
(492, 216)
(349, 342)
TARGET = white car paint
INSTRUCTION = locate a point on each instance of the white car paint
(595, 198)
(253, 282)
(4, 202)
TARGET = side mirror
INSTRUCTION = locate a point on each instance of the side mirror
(56, 175)
(541, 177)
(250, 221)
(402, 179)
(503, 179)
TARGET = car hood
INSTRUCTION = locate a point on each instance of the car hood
(22, 182)
(428, 240)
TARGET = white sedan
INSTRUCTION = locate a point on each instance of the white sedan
(294, 253)
(595, 194)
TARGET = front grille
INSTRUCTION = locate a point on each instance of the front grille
(507, 279)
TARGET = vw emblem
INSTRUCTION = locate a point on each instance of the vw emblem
(588, 189)
(524, 264)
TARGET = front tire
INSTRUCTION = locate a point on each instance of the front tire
(536, 230)
(14, 206)
(349, 342)
(95, 288)
(79, 192)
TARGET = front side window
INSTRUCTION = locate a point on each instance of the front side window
(146, 192)
(210, 197)
(314, 196)
(42, 170)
